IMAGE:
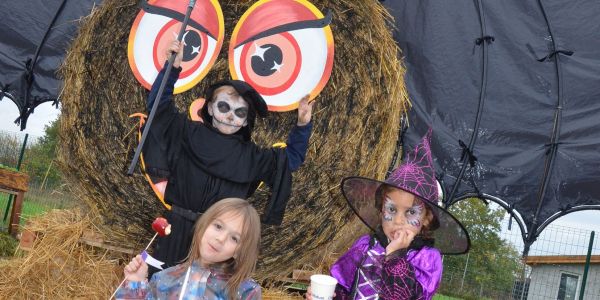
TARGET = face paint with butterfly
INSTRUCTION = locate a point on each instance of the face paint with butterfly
(413, 215)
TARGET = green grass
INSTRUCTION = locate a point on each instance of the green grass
(8, 168)
(8, 245)
(32, 206)
(442, 297)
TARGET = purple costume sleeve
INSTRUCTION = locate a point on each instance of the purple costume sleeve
(428, 266)
(345, 267)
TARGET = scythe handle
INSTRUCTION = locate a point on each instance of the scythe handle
(138, 150)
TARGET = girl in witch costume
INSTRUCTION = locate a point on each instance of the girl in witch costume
(219, 264)
(399, 260)
(215, 159)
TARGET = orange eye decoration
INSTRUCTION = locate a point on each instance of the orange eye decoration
(158, 24)
(284, 49)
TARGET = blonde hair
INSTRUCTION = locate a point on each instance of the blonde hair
(241, 267)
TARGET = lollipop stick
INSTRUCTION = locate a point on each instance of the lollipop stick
(152, 240)
(120, 284)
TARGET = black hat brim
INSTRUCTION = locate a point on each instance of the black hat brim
(450, 237)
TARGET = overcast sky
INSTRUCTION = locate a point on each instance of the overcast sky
(43, 115)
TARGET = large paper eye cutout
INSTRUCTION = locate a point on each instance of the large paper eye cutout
(158, 24)
(284, 50)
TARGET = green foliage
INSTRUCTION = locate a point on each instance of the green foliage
(443, 297)
(8, 245)
(8, 168)
(39, 162)
(10, 146)
(492, 264)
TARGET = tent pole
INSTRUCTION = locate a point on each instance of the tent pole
(138, 150)
(587, 265)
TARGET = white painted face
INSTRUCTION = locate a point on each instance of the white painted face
(228, 109)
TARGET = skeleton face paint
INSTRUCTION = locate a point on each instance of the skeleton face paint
(229, 110)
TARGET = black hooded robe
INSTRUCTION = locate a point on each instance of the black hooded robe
(203, 166)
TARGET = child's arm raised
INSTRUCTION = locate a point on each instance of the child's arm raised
(167, 94)
(297, 142)
(305, 108)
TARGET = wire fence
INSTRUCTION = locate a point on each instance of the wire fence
(46, 190)
(553, 269)
(556, 264)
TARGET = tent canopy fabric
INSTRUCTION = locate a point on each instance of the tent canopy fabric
(35, 35)
(512, 91)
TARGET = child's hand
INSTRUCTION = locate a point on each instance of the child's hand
(175, 47)
(308, 294)
(401, 240)
(305, 111)
(136, 270)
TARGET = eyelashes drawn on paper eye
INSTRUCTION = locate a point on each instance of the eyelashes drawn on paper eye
(284, 49)
(158, 24)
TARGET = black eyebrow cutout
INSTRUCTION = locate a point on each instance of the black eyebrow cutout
(319, 23)
(173, 15)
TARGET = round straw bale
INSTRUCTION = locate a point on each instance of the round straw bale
(356, 126)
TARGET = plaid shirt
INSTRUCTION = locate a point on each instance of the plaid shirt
(202, 283)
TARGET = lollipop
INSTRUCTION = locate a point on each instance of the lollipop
(162, 228)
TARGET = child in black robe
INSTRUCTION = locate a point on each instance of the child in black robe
(215, 159)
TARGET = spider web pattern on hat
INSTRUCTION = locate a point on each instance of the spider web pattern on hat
(416, 173)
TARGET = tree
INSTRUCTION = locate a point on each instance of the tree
(10, 146)
(39, 160)
(493, 263)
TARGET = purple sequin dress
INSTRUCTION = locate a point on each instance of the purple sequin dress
(415, 274)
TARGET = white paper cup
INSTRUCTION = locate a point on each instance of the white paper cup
(322, 287)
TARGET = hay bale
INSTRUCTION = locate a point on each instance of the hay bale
(357, 119)
(58, 266)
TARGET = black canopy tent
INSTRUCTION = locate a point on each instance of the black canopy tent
(512, 91)
(34, 37)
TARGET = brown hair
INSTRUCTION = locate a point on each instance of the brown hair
(430, 222)
(241, 267)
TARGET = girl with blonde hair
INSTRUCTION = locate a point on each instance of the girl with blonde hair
(221, 259)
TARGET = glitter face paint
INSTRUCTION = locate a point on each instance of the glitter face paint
(414, 214)
(389, 210)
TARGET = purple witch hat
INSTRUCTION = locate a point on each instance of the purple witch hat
(415, 175)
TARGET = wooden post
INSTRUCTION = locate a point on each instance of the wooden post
(14, 183)
(15, 214)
